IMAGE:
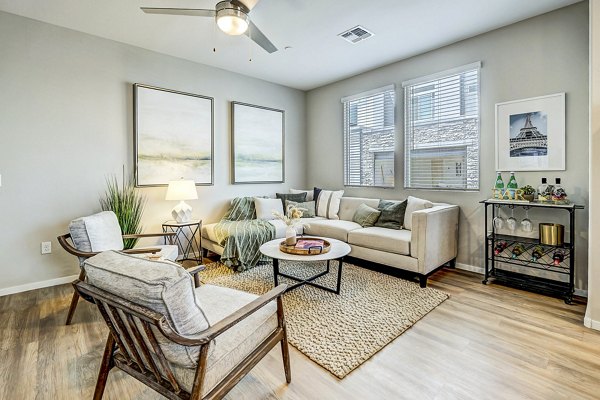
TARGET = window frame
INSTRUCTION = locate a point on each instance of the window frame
(462, 115)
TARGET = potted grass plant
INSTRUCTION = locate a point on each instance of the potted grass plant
(127, 203)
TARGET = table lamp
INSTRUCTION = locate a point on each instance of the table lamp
(182, 190)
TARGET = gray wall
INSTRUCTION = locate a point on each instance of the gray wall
(539, 56)
(66, 123)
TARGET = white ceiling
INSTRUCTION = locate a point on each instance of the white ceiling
(402, 28)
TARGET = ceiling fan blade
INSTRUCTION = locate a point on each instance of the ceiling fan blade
(195, 12)
(250, 4)
(255, 34)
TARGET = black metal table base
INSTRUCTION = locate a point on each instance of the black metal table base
(310, 279)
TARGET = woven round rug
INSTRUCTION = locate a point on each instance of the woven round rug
(338, 332)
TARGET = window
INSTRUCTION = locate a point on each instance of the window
(441, 132)
(369, 138)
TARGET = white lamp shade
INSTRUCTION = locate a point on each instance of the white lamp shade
(182, 190)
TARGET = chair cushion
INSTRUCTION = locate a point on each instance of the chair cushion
(231, 347)
(162, 286)
(328, 203)
(265, 207)
(336, 229)
(384, 239)
(103, 231)
(414, 204)
(366, 216)
(392, 214)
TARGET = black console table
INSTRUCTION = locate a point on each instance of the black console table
(545, 263)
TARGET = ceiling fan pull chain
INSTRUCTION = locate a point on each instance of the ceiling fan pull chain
(250, 43)
(214, 38)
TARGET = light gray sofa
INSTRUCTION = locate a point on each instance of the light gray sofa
(431, 243)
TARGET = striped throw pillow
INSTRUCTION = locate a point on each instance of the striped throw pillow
(327, 203)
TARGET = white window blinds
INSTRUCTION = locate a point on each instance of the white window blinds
(369, 138)
(442, 130)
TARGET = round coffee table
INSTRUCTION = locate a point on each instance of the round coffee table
(337, 252)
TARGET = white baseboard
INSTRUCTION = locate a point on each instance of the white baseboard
(471, 268)
(590, 323)
(479, 270)
(37, 285)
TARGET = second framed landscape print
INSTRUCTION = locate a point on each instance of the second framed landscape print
(257, 144)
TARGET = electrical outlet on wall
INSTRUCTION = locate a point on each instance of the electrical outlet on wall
(46, 247)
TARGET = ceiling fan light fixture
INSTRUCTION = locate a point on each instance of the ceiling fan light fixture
(231, 19)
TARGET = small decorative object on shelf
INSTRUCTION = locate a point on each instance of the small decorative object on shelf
(545, 191)
(528, 192)
(512, 186)
(559, 195)
(498, 191)
(558, 256)
(499, 247)
(517, 250)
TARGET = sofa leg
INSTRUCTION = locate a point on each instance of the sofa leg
(452, 263)
(423, 281)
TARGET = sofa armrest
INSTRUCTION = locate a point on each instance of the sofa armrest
(434, 236)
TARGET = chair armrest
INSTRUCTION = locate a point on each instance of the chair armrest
(196, 269)
(143, 235)
(223, 325)
(434, 237)
(62, 240)
(144, 250)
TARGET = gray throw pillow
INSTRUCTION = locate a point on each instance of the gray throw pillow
(308, 207)
(297, 197)
(392, 214)
(366, 216)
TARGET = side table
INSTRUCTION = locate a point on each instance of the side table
(187, 238)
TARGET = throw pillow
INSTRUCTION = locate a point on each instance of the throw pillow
(242, 208)
(328, 203)
(366, 216)
(316, 192)
(392, 214)
(308, 208)
(299, 197)
(414, 204)
(309, 193)
(265, 208)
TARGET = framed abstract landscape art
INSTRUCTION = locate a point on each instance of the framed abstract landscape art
(257, 144)
(530, 134)
(173, 136)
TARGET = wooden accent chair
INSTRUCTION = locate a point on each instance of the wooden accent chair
(183, 342)
(99, 232)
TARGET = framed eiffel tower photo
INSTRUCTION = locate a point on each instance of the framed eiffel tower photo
(530, 134)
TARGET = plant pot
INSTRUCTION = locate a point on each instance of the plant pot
(290, 236)
(528, 197)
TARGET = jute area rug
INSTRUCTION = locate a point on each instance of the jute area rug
(338, 332)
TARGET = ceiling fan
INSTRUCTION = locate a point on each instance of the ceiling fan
(231, 17)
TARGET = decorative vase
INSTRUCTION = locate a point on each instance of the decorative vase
(290, 236)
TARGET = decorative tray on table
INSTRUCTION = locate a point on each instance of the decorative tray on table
(306, 246)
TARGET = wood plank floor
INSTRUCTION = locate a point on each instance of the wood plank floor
(485, 342)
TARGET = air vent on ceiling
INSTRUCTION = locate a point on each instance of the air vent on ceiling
(356, 34)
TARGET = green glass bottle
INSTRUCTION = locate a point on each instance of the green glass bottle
(512, 186)
(499, 187)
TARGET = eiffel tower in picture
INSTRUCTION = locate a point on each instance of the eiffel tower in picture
(529, 142)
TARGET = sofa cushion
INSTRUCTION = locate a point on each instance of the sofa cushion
(265, 207)
(161, 286)
(298, 197)
(366, 216)
(309, 193)
(392, 214)
(308, 207)
(414, 204)
(230, 348)
(328, 203)
(348, 206)
(331, 228)
(384, 239)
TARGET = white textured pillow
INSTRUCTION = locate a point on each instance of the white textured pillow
(309, 193)
(265, 208)
(328, 203)
(414, 204)
(104, 231)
